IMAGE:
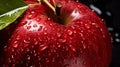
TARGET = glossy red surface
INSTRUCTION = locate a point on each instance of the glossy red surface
(39, 40)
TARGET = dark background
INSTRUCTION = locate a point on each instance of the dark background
(110, 11)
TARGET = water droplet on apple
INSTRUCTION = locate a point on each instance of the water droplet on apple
(28, 58)
(81, 34)
(84, 63)
(35, 25)
(40, 28)
(12, 56)
(18, 38)
(70, 32)
(23, 23)
(45, 33)
(96, 25)
(38, 19)
(59, 45)
(42, 47)
(39, 58)
(47, 60)
(13, 65)
(32, 66)
(63, 40)
(12, 50)
(84, 46)
(32, 15)
(66, 65)
(27, 49)
(93, 10)
(103, 36)
(58, 34)
(75, 31)
(26, 43)
(78, 5)
(87, 26)
(72, 27)
(36, 42)
(51, 24)
(35, 54)
(28, 27)
(48, 18)
(45, 29)
(53, 59)
(73, 49)
(15, 44)
(102, 20)
(9, 60)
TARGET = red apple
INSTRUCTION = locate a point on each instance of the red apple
(71, 36)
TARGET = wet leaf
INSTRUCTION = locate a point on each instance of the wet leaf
(10, 10)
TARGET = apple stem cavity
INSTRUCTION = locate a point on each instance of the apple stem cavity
(56, 9)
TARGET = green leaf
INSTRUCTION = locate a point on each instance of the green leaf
(10, 10)
(8, 5)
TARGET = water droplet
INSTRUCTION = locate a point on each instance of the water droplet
(18, 38)
(38, 19)
(48, 18)
(70, 32)
(81, 34)
(40, 28)
(39, 58)
(9, 60)
(93, 10)
(45, 33)
(15, 44)
(28, 58)
(66, 65)
(53, 59)
(73, 49)
(27, 50)
(59, 45)
(51, 24)
(12, 56)
(87, 26)
(103, 36)
(26, 43)
(75, 31)
(23, 23)
(96, 25)
(102, 20)
(12, 50)
(43, 48)
(47, 61)
(63, 40)
(45, 29)
(72, 27)
(84, 46)
(84, 63)
(28, 27)
(35, 54)
(36, 42)
(34, 25)
(32, 15)
(58, 34)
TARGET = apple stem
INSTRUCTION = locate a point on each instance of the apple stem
(52, 7)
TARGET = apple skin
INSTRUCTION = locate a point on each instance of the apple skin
(75, 38)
